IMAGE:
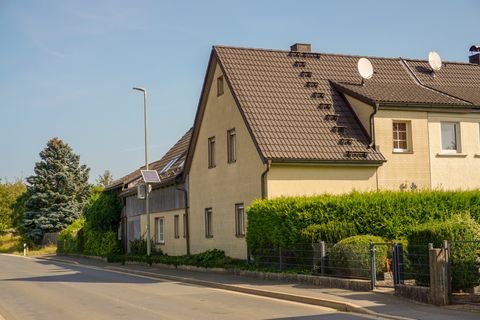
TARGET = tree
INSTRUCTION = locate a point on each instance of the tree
(56, 193)
(105, 179)
(9, 192)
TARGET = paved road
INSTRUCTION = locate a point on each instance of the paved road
(36, 289)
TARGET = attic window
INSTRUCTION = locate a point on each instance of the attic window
(324, 106)
(356, 154)
(332, 117)
(219, 86)
(169, 165)
(299, 64)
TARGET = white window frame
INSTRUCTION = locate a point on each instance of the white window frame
(457, 136)
(408, 134)
(239, 220)
(160, 230)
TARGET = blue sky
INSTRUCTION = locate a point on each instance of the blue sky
(67, 67)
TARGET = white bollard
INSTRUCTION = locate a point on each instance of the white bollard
(24, 249)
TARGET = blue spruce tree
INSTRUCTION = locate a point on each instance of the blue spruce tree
(56, 193)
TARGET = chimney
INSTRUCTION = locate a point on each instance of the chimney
(301, 47)
(475, 54)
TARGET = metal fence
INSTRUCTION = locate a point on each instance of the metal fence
(464, 266)
(414, 267)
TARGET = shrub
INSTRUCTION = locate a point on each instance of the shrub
(330, 232)
(101, 244)
(350, 257)
(139, 247)
(102, 211)
(464, 257)
(71, 238)
(281, 222)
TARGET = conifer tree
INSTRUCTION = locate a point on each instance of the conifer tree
(56, 193)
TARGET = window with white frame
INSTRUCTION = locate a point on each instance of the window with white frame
(231, 146)
(159, 230)
(211, 152)
(402, 136)
(208, 223)
(450, 137)
(239, 220)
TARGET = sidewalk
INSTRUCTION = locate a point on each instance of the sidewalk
(383, 305)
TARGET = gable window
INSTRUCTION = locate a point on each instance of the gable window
(239, 220)
(219, 86)
(159, 230)
(450, 137)
(231, 146)
(211, 152)
(176, 227)
(208, 223)
(402, 141)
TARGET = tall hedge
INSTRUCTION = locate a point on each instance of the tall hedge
(282, 222)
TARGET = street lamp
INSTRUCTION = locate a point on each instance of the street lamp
(147, 187)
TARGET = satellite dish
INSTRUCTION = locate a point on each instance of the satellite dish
(434, 61)
(365, 68)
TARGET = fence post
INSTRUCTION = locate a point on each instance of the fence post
(438, 275)
(397, 264)
(373, 272)
(446, 246)
(323, 254)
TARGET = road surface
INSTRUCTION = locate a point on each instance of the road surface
(39, 289)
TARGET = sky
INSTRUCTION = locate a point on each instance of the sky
(67, 67)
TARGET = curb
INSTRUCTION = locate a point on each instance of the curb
(322, 302)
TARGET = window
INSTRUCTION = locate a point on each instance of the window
(239, 220)
(211, 152)
(450, 137)
(169, 165)
(176, 227)
(159, 230)
(208, 223)
(184, 225)
(219, 86)
(231, 146)
(401, 136)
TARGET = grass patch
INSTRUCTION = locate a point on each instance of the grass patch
(12, 243)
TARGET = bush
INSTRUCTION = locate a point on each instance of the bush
(330, 232)
(71, 238)
(139, 247)
(101, 244)
(281, 222)
(102, 211)
(351, 256)
(464, 257)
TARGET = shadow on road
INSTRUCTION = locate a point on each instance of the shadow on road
(81, 274)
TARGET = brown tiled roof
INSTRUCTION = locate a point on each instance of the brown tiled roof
(175, 158)
(287, 120)
(275, 92)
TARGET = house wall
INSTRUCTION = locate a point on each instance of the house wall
(455, 171)
(301, 180)
(362, 110)
(228, 183)
(172, 245)
(409, 168)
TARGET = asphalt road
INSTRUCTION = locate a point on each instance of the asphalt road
(38, 289)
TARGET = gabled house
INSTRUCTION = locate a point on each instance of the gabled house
(167, 202)
(276, 123)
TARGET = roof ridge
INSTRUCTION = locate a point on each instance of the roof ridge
(343, 55)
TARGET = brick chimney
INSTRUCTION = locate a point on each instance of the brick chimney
(301, 47)
(475, 54)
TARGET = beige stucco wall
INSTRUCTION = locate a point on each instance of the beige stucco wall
(228, 183)
(172, 245)
(458, 171)
(403, 168)
(301, 180)
(362, 110)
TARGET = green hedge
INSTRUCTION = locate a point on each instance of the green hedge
(465, 257)
(282, 222)
(71, 239)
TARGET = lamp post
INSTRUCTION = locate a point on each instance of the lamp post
(147, 187)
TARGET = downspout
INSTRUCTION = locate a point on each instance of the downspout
(263, 179)
(187, 220)
(372, 136)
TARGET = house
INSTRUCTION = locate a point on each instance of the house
(167, 202)
(276, 123)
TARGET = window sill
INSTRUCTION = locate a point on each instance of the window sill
(209, 237)
(402, 152)
(160, 243)
(240, 235)
(451, 155)
(476, 155)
